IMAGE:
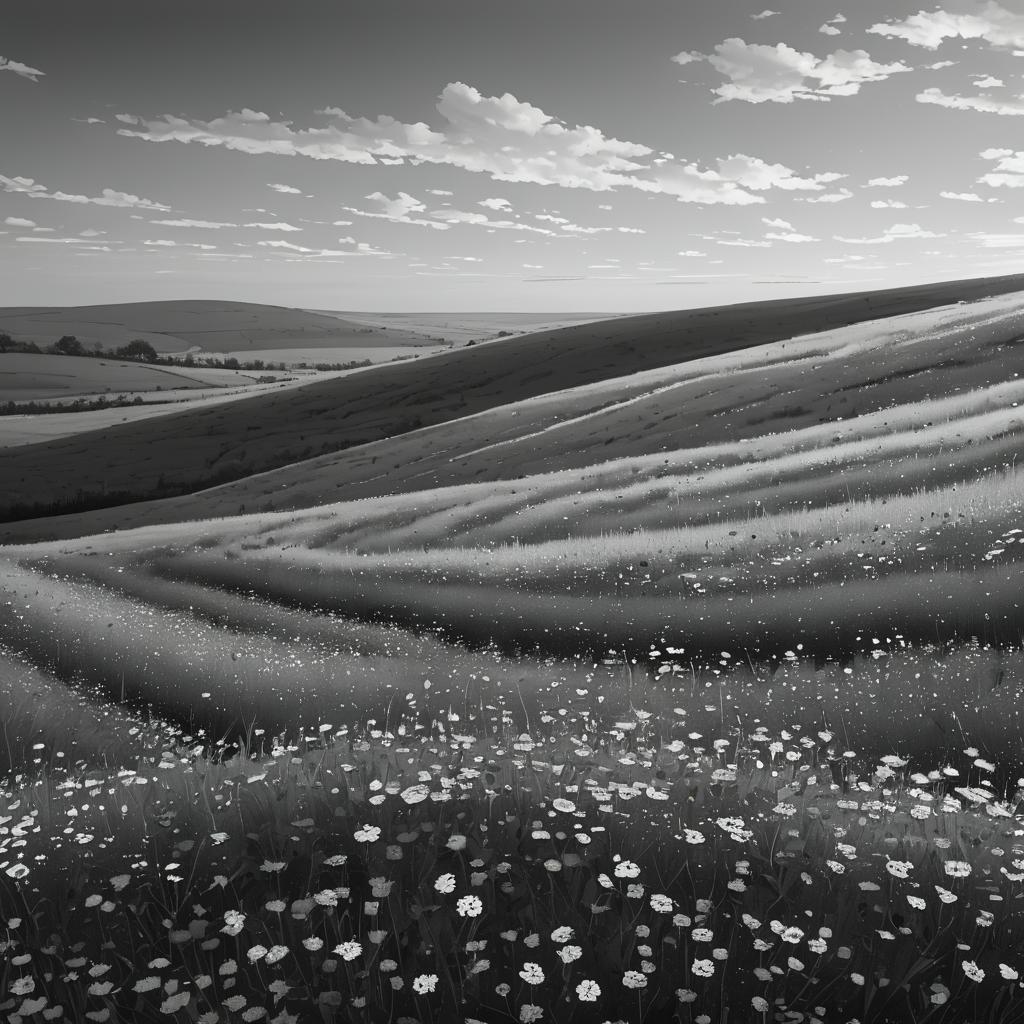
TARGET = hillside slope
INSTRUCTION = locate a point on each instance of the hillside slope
(200, 449)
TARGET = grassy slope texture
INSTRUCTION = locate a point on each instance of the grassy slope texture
(204, 448)
(703, 705)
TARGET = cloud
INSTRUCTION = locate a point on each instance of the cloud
(984, 104)
(287, 189)
(964, 197)
(108, 197)
(991, 240)
(781, 74)
(747, 243)
(189, 223)
(500, 136)
(396, 210)
(940, 64)
(789, 236)
(32, 74)
(1009, 169)
(829, 30)
(495, 204)
(450, 216)
(988, 82)
(829, 197)
(274, 226)
(757, 175)
(777, 222)
(895, 233)
(890, 204)
(168, 243)
(899, 179)
(439, 192)
(994, 24)
(19, 222)
(764, 14)
(91, 233)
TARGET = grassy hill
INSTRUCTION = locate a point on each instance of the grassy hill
(196, 450)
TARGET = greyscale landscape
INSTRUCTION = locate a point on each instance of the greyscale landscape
(511, 515)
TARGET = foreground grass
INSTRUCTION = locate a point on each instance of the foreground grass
(641, 871)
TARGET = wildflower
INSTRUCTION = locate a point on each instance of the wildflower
(660, 904)
(857, 979)
(276, 953)
(693, 837)
(529, 1012)
(957, 868)
(256, 953)
(751, 922)
(272, 867)
(634, 891)
(565, 806)
(367, 834)
(445, 883)
(552, 865)
(349, 950)
(313, 943)
(502, 990)
(702, 935)
(569, 954)
(424, 983)
(973, 971)
(146, 984)
(456, 842)
(532, 974)
(835, 866)
(469, 906)
(588, 991)
(388, 965)
(627, 869)
(336, 861)
(784, 810)
(415, 794)
(899, 868)
(276, 906)
(818, 946)
(509, 936)
(634, 979)
(792, 935)
(794, 964)
(945, 895)
(563, 934)
(1008, 973)
(703, 968)
(760, 1004)
(916, 902)
(532, 941)
(234, 921)
(681, 921)
(642, 931)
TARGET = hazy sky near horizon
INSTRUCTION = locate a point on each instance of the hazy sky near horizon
(547, 155)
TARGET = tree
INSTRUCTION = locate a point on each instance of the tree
(69, 345)
(138, 349)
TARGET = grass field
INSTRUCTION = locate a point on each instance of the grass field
(719, 721)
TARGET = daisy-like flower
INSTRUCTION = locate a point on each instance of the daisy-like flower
(857, 979)
(660, 903)
(760, 1004)
(456, 842)
(469, 906)
(388, 965)
(529, 1012)
(416, 794)
(703, 968)
(563, 934)
(256, 953)
(588, 991)
(916, 902)
(702, 935)
(945, 895)
(957, 868)
(531, 941)
(276, 953)
(1008, 973)
(532, 974)
(424, 983)
(349, 950)
(899, 868)
(445, 883)
(565, 806)
(234, 921)
(367, 834)
(686, 995)
(276, 906)
(627, 869)
(634, 979)
(693, 837)
(569, 954)
(313, 943)
(792, 935)
(973, 971)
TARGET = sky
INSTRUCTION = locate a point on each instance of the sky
(547, 155)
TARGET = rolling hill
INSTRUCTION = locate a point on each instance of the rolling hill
(392, 406)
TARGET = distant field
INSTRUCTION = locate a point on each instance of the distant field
(390, 407)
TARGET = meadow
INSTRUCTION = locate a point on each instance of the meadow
(717, 722)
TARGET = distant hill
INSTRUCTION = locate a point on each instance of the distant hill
(213, 326)
(380, 408)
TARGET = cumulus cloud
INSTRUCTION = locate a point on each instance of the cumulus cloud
(32, 74)
(397, 210)
(439, 192)
(988, 82)
(782, 74)
(964, 197)
(887, 204)
(899, 179)
(19, 222)
(495, 204)
(450, 216)
(993, 23)
(1009, 169)
(895, 233)
(108, 197)
(984, 104)
(829, 30)
(777, 222)
(789, 236)
(500, 136)
(994, 240)
(764, 14)
(287, 189)
(188, 222)
(829, 197)
(168, 243)
(273, 226)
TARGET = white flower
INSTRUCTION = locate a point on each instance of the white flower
(529, 1012)
(957, 868)
(703, 968)
(234, 921)
(1008, 973)
(792, 935)
(566, 806)
(348, 950)
(660, 904)
(532, 974)
(445, 884)
(424, 983)
(563, 934)
(973, 971)
(693, 837)
(588, 991)
(456, 842)
(569, 954)
(415, 794)
(899, 868)
(702, 935)
(634, 979)
(367, 834)
(469, 906)
(626, 869)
